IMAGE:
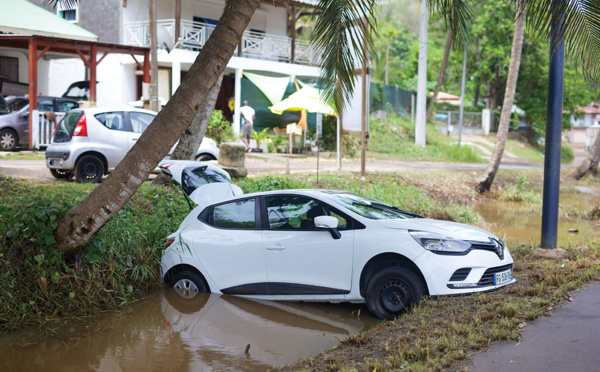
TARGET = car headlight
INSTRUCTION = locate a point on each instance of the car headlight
(440, 244)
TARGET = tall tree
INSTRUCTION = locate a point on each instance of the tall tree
(590, 164)
(509, 95)
(337, 41)
(441, 75)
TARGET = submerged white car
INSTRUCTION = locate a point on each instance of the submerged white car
(325, 245)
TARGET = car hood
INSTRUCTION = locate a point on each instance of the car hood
(449, 229)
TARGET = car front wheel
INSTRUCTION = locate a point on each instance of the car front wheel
(8, 140)
(89, 169)
(60, 174)
(392, 291)
(188, 284)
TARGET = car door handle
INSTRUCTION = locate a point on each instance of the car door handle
(134, 139)
(275, 247)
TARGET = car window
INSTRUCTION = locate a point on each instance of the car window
(16, 103)
(194, 177)
(65, 128)
(140, 121)
(45, 105)
(286, 212)
(112, 120)
(369, 208)
(64, 106)
(239, 214)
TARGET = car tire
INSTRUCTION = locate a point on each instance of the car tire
(188, 284)
(205, 157)
(392, 291)
(61, 174)
(89, 168)
(8, 139)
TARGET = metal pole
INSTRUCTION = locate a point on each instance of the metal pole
(553, 137)
(420, 127)
(462, 97)
(449, 123)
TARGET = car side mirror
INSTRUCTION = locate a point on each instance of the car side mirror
(330, 223)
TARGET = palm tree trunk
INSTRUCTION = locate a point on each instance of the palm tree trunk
(192, 137)
(441, 76)
(77, 227)
(590, 164)
(509, 95)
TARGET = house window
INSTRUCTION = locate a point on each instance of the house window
(67, 11)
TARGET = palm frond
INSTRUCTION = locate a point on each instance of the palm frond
(577, 24)
(456, 15)
(342, 29)
(66, 4)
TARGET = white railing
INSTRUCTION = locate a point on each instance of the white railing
(42, 126)
(193, 35)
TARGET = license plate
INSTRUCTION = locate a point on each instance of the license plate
(503, 277)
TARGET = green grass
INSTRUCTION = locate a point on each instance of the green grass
(395, 136)
(26, 155)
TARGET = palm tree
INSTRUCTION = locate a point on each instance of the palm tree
(341, 30)
(509, 96)
(441, 75)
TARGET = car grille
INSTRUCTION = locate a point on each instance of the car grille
(488, 277)
(493, 246)
(460, 274)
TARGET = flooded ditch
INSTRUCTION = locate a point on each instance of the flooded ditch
(213, 332)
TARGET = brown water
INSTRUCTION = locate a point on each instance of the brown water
(209, 334)
(521, 222)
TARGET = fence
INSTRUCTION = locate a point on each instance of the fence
(448, 122)
(42, 126)
(390, 98)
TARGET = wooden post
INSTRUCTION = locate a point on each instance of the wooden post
(293, 34)
(177, 20)
(32, 85)
(93, 65)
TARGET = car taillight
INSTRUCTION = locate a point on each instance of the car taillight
(81, 127)
(166, 166)
(168, 242)
(54, 131)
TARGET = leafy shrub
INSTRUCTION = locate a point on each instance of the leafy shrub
(520, 191)
(219, 128)
(566, 155)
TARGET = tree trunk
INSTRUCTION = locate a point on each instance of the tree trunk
(478, 79)
(77, 227)
(192, 137)
(509, 95)
(590, 164)
(441, 76)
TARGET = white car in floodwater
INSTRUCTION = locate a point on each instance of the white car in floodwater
(322, 245)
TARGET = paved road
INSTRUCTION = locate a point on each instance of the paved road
(258, 164)
(567, 340)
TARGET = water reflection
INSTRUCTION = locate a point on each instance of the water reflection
(210, 332)
(521, 222)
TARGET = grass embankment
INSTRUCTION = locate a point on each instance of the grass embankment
(26, 155)
(41, 283)
(396, 136)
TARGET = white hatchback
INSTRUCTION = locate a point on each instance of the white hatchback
(327, 245)
(91, 142)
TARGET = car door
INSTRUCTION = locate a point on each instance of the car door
(112, 138)
(139, 121)
(230, 248)
(301, 259)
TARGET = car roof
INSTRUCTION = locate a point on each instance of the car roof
(98, 110)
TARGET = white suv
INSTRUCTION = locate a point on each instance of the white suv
(90, 142)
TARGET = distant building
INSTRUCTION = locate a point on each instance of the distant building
(585, 124)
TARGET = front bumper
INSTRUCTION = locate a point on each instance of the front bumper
(476, 271)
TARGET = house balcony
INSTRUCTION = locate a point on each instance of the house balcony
(193, 36)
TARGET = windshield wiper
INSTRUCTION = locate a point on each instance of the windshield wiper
(396, 209)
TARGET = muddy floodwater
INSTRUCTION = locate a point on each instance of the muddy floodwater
(521, 222)
(210, 333)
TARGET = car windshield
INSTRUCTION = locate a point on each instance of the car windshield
(64, 130)
(369, 208)
(194, 177)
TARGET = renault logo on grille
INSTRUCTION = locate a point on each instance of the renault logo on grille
(499, 248)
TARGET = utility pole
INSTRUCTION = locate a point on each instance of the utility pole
(153, 59)
(422, 78)
(462, 97)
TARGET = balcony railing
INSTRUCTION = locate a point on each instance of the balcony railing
(193, 36)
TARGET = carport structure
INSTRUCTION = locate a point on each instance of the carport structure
(90, 52)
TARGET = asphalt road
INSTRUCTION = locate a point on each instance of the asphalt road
(260, 164)
(567, 340)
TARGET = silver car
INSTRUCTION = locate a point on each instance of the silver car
(90, 142)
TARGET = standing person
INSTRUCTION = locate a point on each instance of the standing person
(247, 123)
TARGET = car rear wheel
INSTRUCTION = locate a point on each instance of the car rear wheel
(89, 169)
(204, 157)
(8, 140)
(60, 174)
(188, 284)
(392, 291)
